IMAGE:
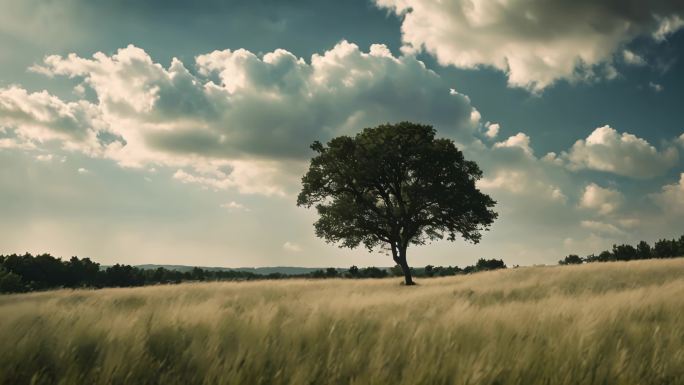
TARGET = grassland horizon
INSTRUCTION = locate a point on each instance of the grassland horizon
(609, 323)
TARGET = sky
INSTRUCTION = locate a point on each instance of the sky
(177, 132)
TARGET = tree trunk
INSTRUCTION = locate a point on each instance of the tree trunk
(395, 253)
(405, 267)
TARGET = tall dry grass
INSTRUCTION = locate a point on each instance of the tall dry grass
(612, 323)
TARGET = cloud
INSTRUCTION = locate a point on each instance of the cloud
(83, 171)
(602, 227)
(585, 245)
(263, 105)
(511, 167)
(44, 158)
(246, 176)
(632, 58)
(535, 42)
(603, 200)
(238, 120)
(545, 195)
(668, 25)
(521, 182)
(492, 130)
(655, 86)
(622, 154)
(292, 247)
(629, 223)
(40, 117)
(234, 206)
(519, 140)
(671, 197)
(14, 143)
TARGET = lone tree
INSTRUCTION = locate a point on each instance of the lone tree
(392, 186)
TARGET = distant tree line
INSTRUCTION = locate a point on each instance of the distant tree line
(664, 248)
(21, 273)
(397, 271)
(24, 273)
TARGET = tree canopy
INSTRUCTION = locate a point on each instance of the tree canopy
(394, 185)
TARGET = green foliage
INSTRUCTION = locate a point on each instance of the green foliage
(663, 248)
(624, 252)
(392, 186)
(571, 259)
(10, 282)
(441, 271)
(372, 272)
(485, 265)
(317, 274)
(396, 271)
(644, 251)
(26, 272)
(489, 264)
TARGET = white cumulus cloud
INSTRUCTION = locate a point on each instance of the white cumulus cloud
(671, 197)
(624, 154)
(603, 200)
(492, 130)
(522, 182)
(511, 167)
(40, 117)
(535, 42)
(519, 140)
(239, 120)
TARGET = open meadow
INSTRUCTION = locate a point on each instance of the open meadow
(601, 323)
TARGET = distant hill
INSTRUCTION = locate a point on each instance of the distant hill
(288, 270)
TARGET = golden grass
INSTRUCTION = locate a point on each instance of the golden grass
(610, 323)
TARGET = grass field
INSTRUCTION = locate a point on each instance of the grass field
(608, 323)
